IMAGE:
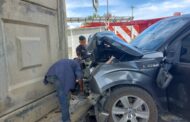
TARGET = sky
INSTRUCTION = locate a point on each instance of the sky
(144, 9)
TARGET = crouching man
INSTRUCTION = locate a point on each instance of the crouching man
(64, 74)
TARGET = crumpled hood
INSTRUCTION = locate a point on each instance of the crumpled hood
(113, 40)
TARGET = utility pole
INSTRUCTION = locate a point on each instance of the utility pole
(132, 12)
(107, 10)
(132, 15)
(107, 18)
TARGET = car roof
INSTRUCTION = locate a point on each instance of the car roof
(185, 16)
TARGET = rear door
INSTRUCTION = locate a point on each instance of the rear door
(179, 89)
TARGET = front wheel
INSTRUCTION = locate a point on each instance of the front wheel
(131, 104)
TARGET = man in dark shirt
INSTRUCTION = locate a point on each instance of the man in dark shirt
(64, 74)
(81, 49)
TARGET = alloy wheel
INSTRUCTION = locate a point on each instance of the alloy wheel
(130, 109)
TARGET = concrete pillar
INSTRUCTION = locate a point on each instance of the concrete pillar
(62, 26)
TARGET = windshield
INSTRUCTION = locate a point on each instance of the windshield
(153, 37)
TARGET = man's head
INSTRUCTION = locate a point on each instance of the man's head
(82, 40)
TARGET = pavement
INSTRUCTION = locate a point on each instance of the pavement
(79, 108)
(56, 117)
(171, 118)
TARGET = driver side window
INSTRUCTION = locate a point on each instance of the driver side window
(185, 50)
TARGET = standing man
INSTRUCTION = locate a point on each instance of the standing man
(64, 74)
(81, 50)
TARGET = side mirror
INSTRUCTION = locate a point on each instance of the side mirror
(170, 53)
(170, 56)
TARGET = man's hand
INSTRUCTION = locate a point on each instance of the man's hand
(81, 85)
(110, 60)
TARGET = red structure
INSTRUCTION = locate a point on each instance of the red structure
(125, 30)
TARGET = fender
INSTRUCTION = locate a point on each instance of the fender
(106, 77)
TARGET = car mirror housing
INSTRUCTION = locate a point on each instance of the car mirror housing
(170, 57)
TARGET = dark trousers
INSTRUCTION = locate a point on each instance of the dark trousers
(64, 104)
(64, 99)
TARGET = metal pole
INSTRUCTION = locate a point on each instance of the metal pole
(132, 15)
(107, 9)
(132, 12)
(107, 19)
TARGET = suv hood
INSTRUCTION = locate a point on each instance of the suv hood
(110, 38)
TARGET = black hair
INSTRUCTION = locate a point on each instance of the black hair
(81, 38)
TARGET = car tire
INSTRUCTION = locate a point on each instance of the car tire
(131, 93)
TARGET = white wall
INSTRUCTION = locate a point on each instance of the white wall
(73, 37)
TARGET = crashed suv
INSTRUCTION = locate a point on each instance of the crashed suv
(145, 78)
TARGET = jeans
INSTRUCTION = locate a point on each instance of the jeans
(64, 104)
(64, 98)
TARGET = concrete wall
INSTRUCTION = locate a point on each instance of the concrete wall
(29, 44)
(73, 37)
